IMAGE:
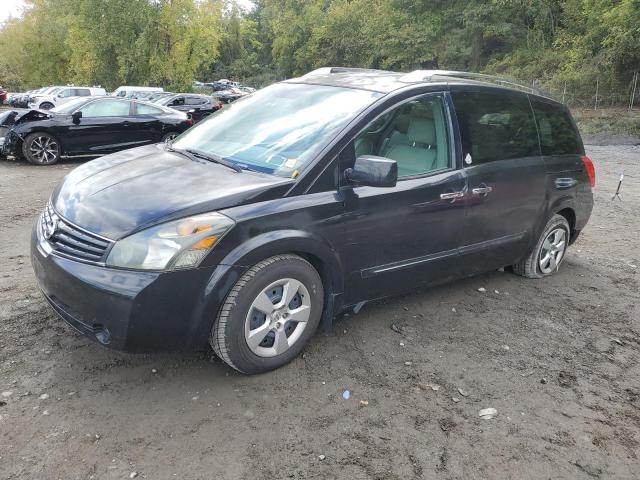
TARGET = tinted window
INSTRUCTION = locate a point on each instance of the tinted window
(414, 135)
(176, 102)
(558, 136)
(82, 92)
(142, 109)
(195, 100)
(495, 126)
(106, 108)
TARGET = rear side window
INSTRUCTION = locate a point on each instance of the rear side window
(82, 92)
(558, 136)
(195, 100)
(495, 126)
(142, 109)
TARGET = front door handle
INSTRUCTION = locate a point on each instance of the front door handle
(451, 195)
(482, 190)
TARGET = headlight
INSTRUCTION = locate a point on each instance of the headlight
(174, 245)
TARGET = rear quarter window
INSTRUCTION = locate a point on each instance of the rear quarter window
(558, 134)
(142, 109)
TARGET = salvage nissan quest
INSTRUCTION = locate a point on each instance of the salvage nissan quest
(306, 199)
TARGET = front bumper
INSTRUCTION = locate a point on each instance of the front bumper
(132, 311)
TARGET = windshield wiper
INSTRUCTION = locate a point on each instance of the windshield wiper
(193, 154)
(215, 159)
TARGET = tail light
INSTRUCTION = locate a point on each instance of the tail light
(189, 121)
(220, 104)
(590, 169)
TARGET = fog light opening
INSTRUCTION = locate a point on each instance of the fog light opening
(102, 334)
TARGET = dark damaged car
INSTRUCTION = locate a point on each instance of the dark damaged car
(86, 128)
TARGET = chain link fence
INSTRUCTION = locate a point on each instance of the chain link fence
(598, 93)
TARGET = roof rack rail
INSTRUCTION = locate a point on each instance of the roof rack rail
(330, 70)
(428, 75)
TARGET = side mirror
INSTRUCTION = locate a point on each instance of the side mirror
(76, 116)
(59, 95)
(372, 171)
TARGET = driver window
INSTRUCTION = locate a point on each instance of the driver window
(414, 135)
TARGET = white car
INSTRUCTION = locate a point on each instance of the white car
(135, 92)
(60, 95)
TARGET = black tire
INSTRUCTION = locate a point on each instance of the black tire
(228, 334)
(46, 106)
(169, 136)
(41, 148)
(530, 267)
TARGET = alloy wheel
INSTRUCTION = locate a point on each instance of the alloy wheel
(277, 317)
(552, 251)
(44, 149)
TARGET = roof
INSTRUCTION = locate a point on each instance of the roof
(385, 81)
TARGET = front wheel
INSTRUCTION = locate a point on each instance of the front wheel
(46, 106)
(549, 252)
(41, 149)
(269, 315)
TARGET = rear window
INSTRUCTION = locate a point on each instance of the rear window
(495, 126)
(558, 135)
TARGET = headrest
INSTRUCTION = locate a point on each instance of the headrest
(422, 130)
(402, 122)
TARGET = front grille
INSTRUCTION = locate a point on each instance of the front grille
(70, 241)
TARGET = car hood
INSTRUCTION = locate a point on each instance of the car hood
(19, 115)
(119, 194)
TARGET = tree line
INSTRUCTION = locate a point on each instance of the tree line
(172, 42)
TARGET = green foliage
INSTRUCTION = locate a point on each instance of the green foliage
(558, 43)
(110, 42)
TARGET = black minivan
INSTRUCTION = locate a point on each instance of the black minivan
(308, 198)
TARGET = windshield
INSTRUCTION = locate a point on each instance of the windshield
(70, 106)
(278, 129)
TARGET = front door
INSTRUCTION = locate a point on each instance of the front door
(103, 128)
(506, 177)
(403, 237)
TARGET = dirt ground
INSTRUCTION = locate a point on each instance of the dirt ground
(558, 359)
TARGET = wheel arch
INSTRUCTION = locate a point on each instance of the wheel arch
(229, 269)
(564, 206)
(570, 216)
(313, 248)
(23, 136)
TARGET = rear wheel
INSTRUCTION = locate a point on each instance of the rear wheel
(549, 252)
(41, 149)
(269, 315)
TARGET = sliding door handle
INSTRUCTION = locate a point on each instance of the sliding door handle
(482, 190)
(451, 195)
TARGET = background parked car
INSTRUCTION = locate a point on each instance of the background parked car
(61, 95)
(21, 100)
(197, 106)
(135, 92)
(89, 127)
(229, 95)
